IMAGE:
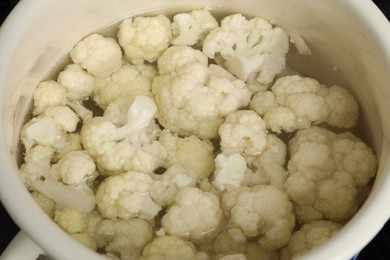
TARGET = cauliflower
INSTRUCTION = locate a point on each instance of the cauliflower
(127, 196)
(230, 172)
(48, 93)
(308, 237)
(112, 147)
(44, 203)
(166, 186)
(99, 55)
(229, 241)
(195, 99)
(325, 172)
(191, 28)
(248, 48)
(39, 175)
(243, 132)
(169, 248)
(71, 220)
(63, 116)
(262, 211)
(269, 167)
(144, 38)
(296, 102)
(79, 83)
(188, 152)
(123, 238)
(176, 57)
(128, 80)
(195, 215)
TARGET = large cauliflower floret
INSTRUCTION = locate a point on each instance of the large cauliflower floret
(195, 99)
(191, 28)
(243, 132)
(124, 239)
(230, 172)
(248, 48)
(127, 196)
(188, 152)
(117, 149)
(166, 186)
(325, 172)
(144, 38)
(262, 211)
(269, 167)
(99, 55)
(196, 215)
(48, 93)
(308, 237)
(297, 102)
(128, 81)
(169, 247)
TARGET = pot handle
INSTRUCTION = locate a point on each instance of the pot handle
(21, 247)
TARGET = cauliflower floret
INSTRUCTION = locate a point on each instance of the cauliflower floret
(195, 99)
(39, 175)
(230, 171)
(191, 28)
(123, 238)
(188, 152)
(248, 47)
(166, 186)
(169, 247)
(48, 93)
(175, 57)
(63, 116)
(79, 84)
(263, 211)
(144, 38)
(118, 149)
(325, 172)
(99, 55)
(127, 196)
(75, 167)
(270, 165)
(308, 237)
(243, 132)
(195, 215)
(296, 102)
(85, 239)
(129, 80)
(229, 241)
(71, 220)
(45, 203)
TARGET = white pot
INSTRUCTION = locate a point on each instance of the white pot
(352, 34)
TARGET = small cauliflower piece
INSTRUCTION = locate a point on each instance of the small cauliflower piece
(123, 238)
(118, 149)
(99, 55)
(229, 241)
(243, 132)
(71, 220)
(175, 57)
(195, 99)
(144, 38)
(128, 81)
(45, 203)
(297, 102)
(79, 83)
(308, 237)
(85, 239)
(196, 215)
(188, 152)
(192, 27)
(63, 116)
(127, 196)
(248, 47)
(230, 171)
(262, 211)
(326, 170)
(75, 167)
(38, 174)
(169, 248)
(166, 186)
(48, 93)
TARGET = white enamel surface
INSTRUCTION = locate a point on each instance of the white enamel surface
(352, 33)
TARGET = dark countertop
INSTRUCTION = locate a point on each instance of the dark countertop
(378, 248)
